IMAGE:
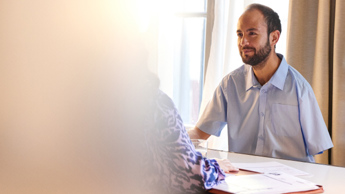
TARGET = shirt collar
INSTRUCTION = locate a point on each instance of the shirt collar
(251, 81)
(278, 78)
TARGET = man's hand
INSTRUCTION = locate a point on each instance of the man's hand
(196, 133)
(226, 165)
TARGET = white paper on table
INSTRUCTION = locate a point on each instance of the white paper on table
(278, 182)
(266, 167)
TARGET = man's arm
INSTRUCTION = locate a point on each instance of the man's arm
(196, 133)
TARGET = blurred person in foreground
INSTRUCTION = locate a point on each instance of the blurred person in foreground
(80, 113)
(172, 163)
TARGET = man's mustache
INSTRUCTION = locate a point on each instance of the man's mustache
(246, 47)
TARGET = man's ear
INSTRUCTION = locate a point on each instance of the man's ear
(274, 37)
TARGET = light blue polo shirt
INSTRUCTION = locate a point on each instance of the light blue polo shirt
(280, 119)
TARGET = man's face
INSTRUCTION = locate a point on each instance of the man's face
(253, 41)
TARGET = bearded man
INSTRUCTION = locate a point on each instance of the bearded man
(268, 107)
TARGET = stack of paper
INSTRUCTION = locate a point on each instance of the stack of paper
(273, 177)
(266, 167)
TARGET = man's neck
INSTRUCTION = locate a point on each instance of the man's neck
(264, 71)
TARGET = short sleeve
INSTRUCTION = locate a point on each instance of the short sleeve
(315, 133)
(213, 119)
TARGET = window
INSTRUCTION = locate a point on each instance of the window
(181, 56)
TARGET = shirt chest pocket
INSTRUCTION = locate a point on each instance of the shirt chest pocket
(285, 120)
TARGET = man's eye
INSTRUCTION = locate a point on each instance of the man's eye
(252, 33)
(239, 34)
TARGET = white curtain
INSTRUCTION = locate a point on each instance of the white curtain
(223, 57)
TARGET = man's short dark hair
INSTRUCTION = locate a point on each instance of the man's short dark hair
(271, 17)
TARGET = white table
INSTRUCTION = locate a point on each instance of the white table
(332, 178)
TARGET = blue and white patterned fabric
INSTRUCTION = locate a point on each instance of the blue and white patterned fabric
(172, 163)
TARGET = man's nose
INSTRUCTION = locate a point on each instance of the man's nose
(243, 41)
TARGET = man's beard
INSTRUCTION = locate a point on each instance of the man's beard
(259, 56)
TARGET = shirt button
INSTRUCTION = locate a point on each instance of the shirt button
(262, 114)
